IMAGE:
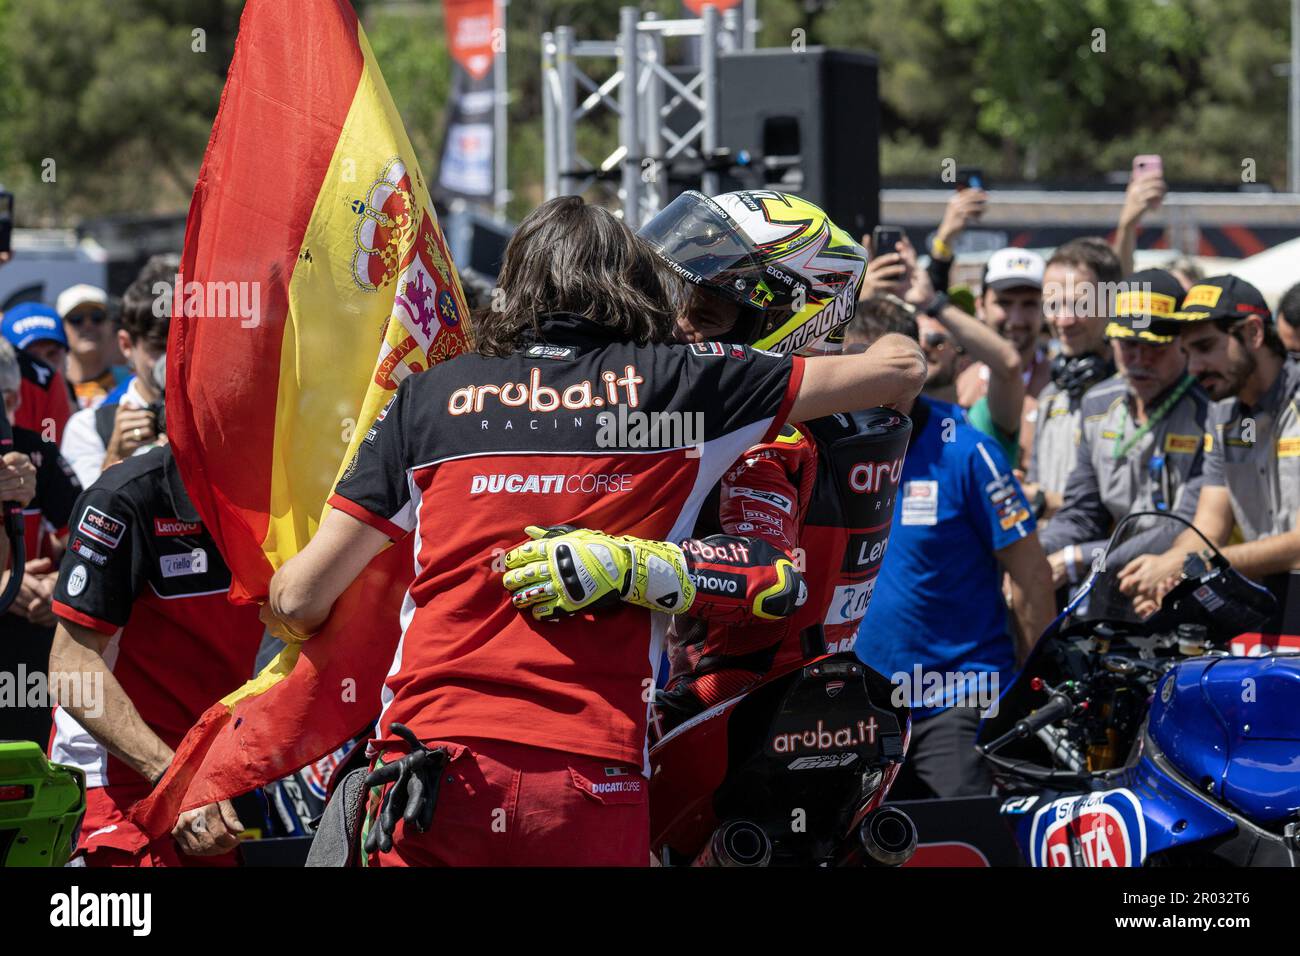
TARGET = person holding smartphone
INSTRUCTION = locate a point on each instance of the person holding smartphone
(1146, 191)
(964, 207)
(124, 423)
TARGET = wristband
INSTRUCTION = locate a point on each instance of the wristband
(936, 305)
(1071, 569)
(1197, 563)
(940, 249)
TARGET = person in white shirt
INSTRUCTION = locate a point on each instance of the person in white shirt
(96, 438)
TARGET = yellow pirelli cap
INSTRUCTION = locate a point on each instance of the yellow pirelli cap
(1222, 297)
(1144, 306)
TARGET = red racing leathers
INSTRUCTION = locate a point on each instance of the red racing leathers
(822, 494)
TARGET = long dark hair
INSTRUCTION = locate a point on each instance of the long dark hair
(568, 256)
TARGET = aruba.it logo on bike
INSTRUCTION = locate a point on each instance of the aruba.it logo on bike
(819, 738)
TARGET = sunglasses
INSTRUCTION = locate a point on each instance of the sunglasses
(938, 341)
(97, 317)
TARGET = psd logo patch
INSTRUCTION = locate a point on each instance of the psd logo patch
(762, 494)
(101, 527)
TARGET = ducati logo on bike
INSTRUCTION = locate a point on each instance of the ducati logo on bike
(834, 687)
(1104, 829)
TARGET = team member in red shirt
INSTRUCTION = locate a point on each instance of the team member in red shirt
(544, 722)
(818, 497)
(145, 627)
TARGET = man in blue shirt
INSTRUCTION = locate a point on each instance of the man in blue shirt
(938, 625)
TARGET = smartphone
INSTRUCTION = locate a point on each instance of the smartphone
(970, 177)
(6, 219)
(1148, 164)
(884, 239)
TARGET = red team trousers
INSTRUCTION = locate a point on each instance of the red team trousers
(507, 804)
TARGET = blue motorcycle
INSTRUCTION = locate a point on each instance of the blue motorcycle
(1127, 742)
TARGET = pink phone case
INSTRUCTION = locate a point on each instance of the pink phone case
(1148, 165)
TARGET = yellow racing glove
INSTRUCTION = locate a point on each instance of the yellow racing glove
(564, 570)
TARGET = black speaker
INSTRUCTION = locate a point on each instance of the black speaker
(810, 124)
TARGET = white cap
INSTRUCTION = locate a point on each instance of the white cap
(77, 295)
(1012, 267)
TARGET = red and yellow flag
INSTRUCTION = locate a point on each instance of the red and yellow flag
(310, 206)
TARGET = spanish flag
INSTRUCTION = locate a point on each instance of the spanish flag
(310, 206)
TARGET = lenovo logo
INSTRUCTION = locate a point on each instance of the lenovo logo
(175, 527)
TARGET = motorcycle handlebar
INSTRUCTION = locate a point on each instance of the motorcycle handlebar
(1060, 705)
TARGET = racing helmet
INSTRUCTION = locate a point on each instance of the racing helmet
(795, 273)
(41, 804)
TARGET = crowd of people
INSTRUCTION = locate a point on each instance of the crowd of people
(1110, 392)
(1044, 406)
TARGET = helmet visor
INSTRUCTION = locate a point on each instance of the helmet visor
(702, 244)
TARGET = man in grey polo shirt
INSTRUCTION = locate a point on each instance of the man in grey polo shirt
(1075, 300)
(1252, 445)
(1141, 440)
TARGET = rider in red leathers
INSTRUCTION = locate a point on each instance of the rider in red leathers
(823, 494)
(772, 271)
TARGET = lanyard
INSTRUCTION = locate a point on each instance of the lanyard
(1122, 445)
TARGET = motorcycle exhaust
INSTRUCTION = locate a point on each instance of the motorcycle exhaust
(887, 836)
(738, 843)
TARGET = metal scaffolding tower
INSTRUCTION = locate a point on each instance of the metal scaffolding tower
(647, 146)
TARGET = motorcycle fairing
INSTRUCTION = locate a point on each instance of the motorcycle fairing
(781, 748)
(1131, 816)
(859, 464)
(1232, 725)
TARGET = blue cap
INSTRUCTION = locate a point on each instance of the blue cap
(30, 322)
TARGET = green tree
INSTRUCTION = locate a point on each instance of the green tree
(112, 101)
(1049, 77)
(410, 46)
(114, 93)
